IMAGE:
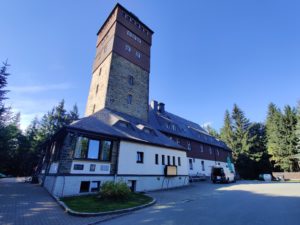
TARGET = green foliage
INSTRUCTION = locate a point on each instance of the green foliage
(248, 143)
(282, 137)
(212, 131)
(4, 111)
(298, 129)
(116, 191)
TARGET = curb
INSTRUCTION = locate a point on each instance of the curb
(120, 211)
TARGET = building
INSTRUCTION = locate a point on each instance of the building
(121, 137)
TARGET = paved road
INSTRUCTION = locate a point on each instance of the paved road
(244, 203)
(27, 204)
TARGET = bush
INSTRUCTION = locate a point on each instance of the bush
(115, 191)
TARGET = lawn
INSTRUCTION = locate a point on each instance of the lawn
(94, 204)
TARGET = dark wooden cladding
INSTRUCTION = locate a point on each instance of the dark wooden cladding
(217, 153)
(113, 37)
(121, 32)
(119, 48)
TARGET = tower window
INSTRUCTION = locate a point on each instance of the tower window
(128, 48)
(100, 71)
(138, 54)
(130, 80)
(129, 99)
(97, 88)
(94, 108)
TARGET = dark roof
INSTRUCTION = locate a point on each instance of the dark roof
(169, 123)
(123, 126)
(129, 13)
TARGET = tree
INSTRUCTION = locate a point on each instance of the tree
(212, 131)
(289, 139)
(3, 83)
(227, 131)
(298, 129)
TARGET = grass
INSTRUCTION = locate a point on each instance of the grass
(94, 204)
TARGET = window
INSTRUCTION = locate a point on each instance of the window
(95, 186)
(81, 147)
(84, 186)
(189, 147)
(156, 159)
(202, 164)
(130, 80)
(178, 141)
(128, 48)
(94, 108)
(133, 36)
(210, 150)
(100, 71)
(105, 151)
(163, 159)
(129, 99)
(174, 163)
(191, 164)
(140, 157)
(218, 153)
(138, 54)
(97, 88)
(169, 162)
(92, 149)
(179, 161)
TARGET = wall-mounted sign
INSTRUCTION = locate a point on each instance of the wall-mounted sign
(170, 171)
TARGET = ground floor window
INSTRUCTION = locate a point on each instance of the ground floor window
(84, 186)
(95, 186)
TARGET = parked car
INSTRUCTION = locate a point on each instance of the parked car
(221, 175)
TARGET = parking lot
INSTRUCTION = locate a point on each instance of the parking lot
(241, 203)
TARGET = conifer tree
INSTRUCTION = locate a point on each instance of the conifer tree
(298, 129)
(3, 82)
(226, 131)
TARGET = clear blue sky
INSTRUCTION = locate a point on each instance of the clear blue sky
(206, 55)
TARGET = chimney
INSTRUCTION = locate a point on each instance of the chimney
(154, 105)
(161, 107)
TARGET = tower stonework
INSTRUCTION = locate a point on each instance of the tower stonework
(120, 77)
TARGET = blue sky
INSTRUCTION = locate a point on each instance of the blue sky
(206, 55)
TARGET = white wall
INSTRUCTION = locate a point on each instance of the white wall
(128, 155)
(197, 167)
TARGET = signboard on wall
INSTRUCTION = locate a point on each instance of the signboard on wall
(170, 171)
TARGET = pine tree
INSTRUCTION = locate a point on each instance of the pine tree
(240, 130)
(226, 131)
(289, 139)
(274, 128)
(73, 114)
(298, 129)
(4, 111)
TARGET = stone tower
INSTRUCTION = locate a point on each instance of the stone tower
(120, 77)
